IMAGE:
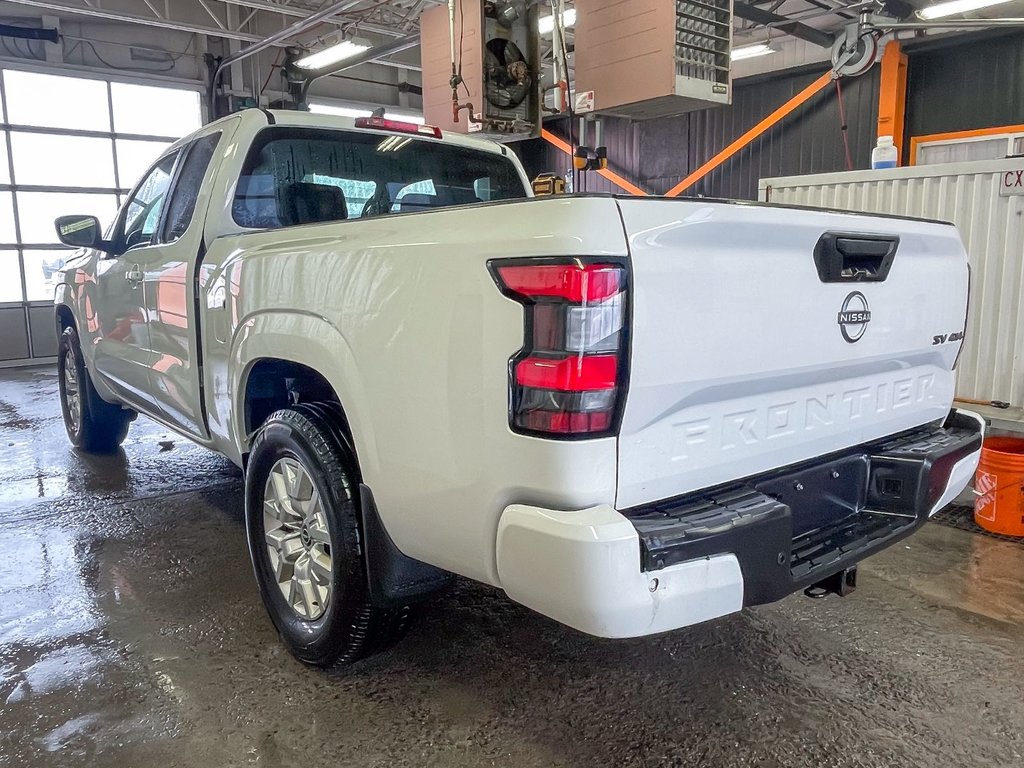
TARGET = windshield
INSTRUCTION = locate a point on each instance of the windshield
(302, 176)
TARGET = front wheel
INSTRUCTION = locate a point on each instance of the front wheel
(302, 520)
(92, 424)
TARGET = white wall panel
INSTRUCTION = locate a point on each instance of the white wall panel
(992, 228)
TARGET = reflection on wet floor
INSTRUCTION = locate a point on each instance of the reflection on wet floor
(131, 634)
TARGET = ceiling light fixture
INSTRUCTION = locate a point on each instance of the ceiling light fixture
(952, 7)
(346, 49)
(344, 111)
(750, 51)
(546, 24)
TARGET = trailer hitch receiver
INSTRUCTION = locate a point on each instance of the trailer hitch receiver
(841, 583)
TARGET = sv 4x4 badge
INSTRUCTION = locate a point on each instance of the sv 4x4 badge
(854, 317)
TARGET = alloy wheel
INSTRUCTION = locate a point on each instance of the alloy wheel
(72, 392)
(298, 540)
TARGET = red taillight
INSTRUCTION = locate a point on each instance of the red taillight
(572, 282)
(568, 377)
(397, 126)
(580, 373)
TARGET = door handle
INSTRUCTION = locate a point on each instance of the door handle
(855, 257)
(134, 276)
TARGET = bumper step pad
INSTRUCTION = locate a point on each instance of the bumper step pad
(795, 526)
(819, 549)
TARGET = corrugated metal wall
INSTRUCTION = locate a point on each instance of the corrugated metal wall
(992, 364)
(808, 141)
(657, 154)
(980, 86)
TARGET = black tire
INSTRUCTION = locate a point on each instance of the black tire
(350, 627)
(100, 427)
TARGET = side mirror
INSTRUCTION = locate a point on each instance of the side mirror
(81, 232)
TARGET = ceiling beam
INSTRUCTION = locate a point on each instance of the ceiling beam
(789, 26)
(281, 36)
(291, 10)
(191, 28)
(132, 18)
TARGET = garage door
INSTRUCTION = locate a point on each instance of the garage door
(70, 145)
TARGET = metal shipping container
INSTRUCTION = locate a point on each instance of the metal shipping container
(992, 227)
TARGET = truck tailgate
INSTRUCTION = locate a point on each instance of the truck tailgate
(748, 353)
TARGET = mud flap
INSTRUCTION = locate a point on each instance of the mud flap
(394, 578)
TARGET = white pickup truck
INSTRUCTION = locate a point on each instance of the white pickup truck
(629, 414)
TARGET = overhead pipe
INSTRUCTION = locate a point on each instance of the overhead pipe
(46, 34)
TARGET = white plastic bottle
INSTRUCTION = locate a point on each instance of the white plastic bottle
(884, 155)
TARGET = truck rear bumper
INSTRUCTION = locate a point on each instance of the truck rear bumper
(688, 560)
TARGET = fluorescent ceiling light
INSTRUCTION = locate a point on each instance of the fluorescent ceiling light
(416, 119)
(546, 24)
(319, 108)
(750, 51)
(952, 7)
(330, 109)
(346, 49)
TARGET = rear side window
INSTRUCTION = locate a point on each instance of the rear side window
(187, 185)
(303, 176)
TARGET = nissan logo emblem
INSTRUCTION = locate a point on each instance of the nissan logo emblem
(854, 317)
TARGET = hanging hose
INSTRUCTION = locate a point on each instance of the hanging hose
(558, 32)
(843, 126)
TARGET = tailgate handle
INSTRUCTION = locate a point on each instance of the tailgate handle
(854, 257)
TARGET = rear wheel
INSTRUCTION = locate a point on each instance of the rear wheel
(302, 519)
(92, 424)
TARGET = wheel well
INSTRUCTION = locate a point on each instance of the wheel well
(65, 319)
(275, 384)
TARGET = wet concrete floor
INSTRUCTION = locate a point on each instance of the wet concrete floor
(132, 634)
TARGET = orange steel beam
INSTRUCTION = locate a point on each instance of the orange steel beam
(752, 134)
(892, 96)
(613, 177)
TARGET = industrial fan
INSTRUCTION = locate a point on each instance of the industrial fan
(507, 74)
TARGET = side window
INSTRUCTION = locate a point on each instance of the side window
(186, 189)
(143, 209)
(296, 176)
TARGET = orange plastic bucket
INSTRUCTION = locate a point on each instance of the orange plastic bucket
(999, 482)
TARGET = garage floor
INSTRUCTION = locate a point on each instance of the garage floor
(131, 634)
